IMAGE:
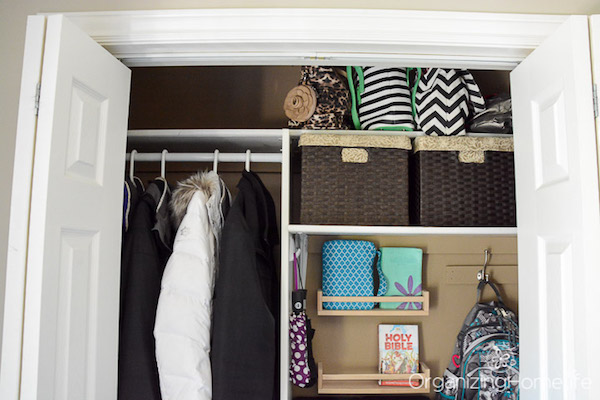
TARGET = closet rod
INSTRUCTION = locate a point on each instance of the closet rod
(208, 157)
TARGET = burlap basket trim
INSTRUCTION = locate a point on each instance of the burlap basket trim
(470, 144)
(469, 156)
(470, 149)
(378, 141)
(354, 155)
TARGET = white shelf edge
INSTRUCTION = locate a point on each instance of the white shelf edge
(410, 134)
(269, 133)
(401, 230)
(204, 133)
(207, 157)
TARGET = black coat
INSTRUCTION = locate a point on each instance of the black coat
(146, 251)
(134, 190)
(244, 354)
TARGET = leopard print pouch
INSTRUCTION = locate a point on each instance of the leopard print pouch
(333, 99)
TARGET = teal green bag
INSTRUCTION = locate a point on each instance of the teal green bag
(401, 272)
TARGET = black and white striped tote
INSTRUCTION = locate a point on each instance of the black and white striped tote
(444, 101)
(381, 98)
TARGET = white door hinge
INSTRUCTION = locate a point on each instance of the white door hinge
(37, 98)
(595, 91)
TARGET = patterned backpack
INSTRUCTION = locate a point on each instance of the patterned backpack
(444, 100)
(485, 361)
(320, 101)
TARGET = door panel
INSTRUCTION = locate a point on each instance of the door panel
(557, 217)
(595, 46)
(16, 262)
(72, 289)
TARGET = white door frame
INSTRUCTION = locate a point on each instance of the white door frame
(323, 36)
(307, 36)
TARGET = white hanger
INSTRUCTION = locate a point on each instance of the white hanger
(132, 165)
(248, 160)
(163, 164)
(216, 161)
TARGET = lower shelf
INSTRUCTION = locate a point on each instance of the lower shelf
(367, 383)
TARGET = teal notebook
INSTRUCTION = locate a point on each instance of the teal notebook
(402, 269)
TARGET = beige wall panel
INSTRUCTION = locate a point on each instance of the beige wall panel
(450, 268)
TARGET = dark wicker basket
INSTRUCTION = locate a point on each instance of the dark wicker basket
(335, 192)
(448, 192)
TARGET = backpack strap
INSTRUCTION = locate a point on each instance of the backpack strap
(476, 101)
(413, 90)
(482, 285)
(355, 93)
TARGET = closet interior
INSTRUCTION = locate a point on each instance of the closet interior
(193, 111)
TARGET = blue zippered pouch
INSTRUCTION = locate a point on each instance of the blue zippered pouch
(348, 271)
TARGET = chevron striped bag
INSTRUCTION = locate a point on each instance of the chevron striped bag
(381, 98)
(444, 100)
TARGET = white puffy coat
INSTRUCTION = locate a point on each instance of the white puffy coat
(183, 317)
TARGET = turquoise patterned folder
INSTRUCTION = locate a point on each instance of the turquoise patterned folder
(402, 269)
(348, 271)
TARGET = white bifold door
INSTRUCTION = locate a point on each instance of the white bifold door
(71, 302)
(595, 46)
(558, 218)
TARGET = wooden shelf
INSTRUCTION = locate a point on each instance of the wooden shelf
(424, 298)
(341, 230)
(367, 383)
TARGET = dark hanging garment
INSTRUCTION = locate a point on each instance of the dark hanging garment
(126, 208)
(134, 190)
(244, 353)
(225, 200)
(146, 250)
(272, 295)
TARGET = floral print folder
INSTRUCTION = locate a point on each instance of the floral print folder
(402, 269)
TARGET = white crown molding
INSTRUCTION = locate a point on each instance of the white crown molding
(301, 36)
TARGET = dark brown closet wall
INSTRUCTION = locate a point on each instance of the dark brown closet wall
(210, 97)
(492, 82)
(229, 97)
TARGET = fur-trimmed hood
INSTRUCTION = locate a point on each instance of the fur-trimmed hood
(208, 182)
(183, 315)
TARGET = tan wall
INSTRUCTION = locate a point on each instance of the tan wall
(13, 15)
(450, 265)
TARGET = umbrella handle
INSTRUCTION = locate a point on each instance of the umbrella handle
(298, 299)
(295, 272)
